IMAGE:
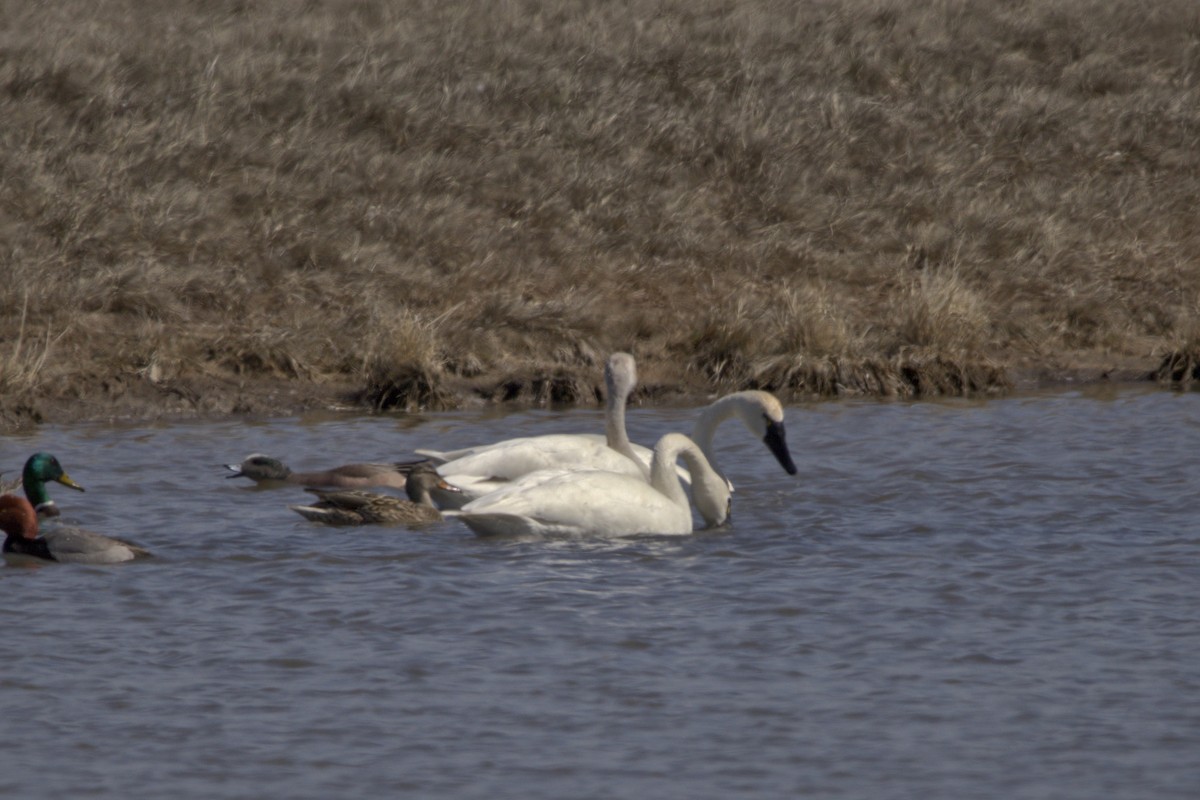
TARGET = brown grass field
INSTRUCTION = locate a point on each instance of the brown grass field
(231, 206)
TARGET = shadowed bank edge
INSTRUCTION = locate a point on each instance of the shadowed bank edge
(412, 388)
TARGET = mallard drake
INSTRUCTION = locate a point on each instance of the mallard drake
(267, 471)
(70, 545)
(364, 508)
(41, 468)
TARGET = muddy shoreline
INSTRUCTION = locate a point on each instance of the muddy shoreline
(135, 398)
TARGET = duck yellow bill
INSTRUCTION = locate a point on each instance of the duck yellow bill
(66, 480)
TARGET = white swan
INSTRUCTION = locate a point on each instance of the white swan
(487, 468)
(761, 413)
(597, 503)
(481, 470)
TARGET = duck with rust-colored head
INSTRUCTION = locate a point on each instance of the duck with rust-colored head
(267, 471)
(66, 544)
(40, 469)
(365, 508)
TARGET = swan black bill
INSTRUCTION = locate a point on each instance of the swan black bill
(776, 440)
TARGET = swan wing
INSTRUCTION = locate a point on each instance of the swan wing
(471, 487)
(439, 457)
(521, 457)
(579, 502)
(493, 467)
(501, 524)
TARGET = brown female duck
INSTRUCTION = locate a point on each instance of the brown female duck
(364, 508)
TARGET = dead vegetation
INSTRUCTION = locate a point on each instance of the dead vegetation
(424, 202)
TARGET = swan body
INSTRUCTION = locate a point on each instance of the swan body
(69, 545)
(496, 467)
(487, 468)
(478, 471)
(598, 503)
(351, 507)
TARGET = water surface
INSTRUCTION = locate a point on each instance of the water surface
(952, 600)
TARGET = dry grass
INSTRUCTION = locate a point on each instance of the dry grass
(834, 197)
(939, 312)
(19, 371)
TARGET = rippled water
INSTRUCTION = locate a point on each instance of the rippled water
(954, 600)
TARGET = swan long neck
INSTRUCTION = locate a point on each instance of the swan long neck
(710, 419)
(620, 377)
(663, 476)
(710, 491)
(614, 426)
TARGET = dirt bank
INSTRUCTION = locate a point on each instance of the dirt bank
(251, 208)
(134, 398)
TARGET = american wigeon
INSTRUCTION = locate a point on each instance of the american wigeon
(267, 471)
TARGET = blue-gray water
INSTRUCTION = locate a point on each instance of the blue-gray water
(952, 600)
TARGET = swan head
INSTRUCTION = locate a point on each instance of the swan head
(762, 413)
(713, 499)
(620, 376)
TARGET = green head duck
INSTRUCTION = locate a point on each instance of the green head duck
(40, 469)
